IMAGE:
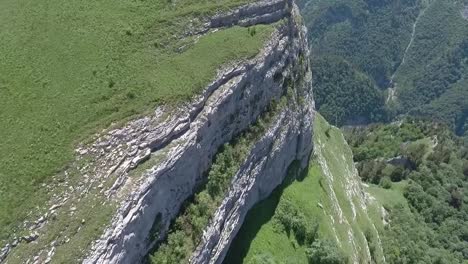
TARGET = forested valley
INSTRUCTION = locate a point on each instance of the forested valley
(390, 58)
(393, 74)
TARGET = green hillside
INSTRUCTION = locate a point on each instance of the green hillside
(435, 69)
(374, 60)
(356, 47)
(318, 215)
(424, 196)
(70, 68)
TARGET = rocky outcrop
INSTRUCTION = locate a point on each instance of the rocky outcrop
(262, 12)
(265, 168)
(399, 161)
(180, 144)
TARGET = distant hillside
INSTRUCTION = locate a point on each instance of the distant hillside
(419, 172)
(356, 46)
(432, 81)
(413, 54)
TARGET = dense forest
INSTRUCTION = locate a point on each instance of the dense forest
(412, 53)
(345, 95)
(428, 165)
(365, 41)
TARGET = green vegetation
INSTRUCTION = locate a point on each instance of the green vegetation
(70, 68)
(301, 220)
(281, 227)
(343, 94)
(383, 141)
(390, 151)
(186, 231)
(426, 203)
(416, 169)
(357, 46)
(325, 252)
(417, 48)
(436, 61)
(71, 227)
(371, 35)
(390, 197)
(450, 107)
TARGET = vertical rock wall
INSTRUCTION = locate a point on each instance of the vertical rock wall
(288, 139)
(186, 143)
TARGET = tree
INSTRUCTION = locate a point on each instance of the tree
(456, 198)
(386, 183)
(325, 252)
(415, 153)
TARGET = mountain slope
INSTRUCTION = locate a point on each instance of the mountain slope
(413, 53)
(366, 40)
(316, 214)
(70, 69)
(421, 169)
(123, 187)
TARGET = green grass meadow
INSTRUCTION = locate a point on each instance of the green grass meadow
(258, 238)
(70, 68)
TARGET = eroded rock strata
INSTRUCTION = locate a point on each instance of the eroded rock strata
(288, 139)
(187, 140)
(148, 167)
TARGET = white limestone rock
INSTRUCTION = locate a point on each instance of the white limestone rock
(188, 139)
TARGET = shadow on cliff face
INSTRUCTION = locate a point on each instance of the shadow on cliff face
(259, 215)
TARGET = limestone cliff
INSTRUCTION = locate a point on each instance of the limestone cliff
(288, 139)
(186, 141)
(146, 168)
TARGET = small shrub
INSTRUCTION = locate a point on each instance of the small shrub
(130, 95)
(396, 173)
(156, 228)
(111, 83)
(327, 132)
(465, 168)
(289, 218)
(456, 198)
(325, 252)
(386, 183)
(415, 153)
(252, 31)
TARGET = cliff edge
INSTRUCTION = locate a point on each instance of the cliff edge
(142, 172)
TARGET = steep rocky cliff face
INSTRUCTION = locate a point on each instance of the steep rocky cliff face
(143, 171)
(228, 106)
(288, 138)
